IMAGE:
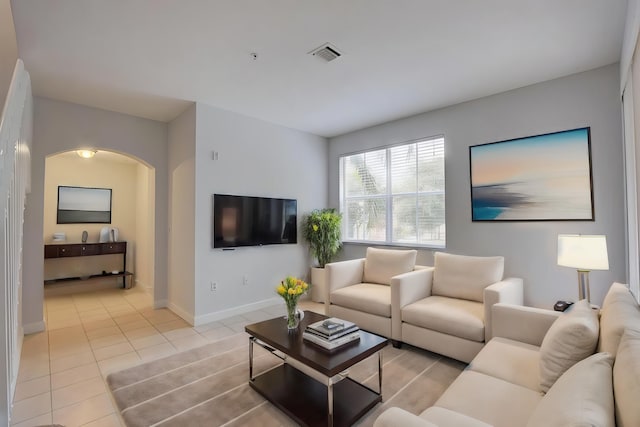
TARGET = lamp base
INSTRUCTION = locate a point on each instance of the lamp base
(583, 285)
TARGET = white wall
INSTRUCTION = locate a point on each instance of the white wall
(61, 126)
(145, 224)
(585, 99)
(630, 83)
(631, 28)
(255, 158)
(182, 175)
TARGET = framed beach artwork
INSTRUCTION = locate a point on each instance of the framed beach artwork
(537, 178)
(82, 205)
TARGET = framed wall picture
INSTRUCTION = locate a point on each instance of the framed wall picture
(538, 178)
(81, 205)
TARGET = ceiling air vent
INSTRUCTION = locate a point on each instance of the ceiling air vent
(326, 52)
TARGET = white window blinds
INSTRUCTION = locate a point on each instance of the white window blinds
(395, 195)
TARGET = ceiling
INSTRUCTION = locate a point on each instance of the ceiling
(152, 58)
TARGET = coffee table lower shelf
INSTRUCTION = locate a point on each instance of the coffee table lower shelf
(305, 400)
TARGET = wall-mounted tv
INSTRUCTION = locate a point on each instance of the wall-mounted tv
(82, 205)
(253, 221)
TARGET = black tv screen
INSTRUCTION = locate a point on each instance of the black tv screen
(253, 221)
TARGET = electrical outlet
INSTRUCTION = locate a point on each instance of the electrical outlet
(214, 286)
(245, 280)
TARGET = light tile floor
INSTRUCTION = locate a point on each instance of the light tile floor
(89, 335)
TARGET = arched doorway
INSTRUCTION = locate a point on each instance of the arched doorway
(131, 188)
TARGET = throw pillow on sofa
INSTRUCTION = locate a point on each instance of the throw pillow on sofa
(571, 338)
(582, 396)
(626, 380)
(620, 310)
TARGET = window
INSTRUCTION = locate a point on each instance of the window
(395, 195)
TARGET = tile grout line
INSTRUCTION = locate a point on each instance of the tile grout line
(84, 331)
(50, 359)
(101, 306)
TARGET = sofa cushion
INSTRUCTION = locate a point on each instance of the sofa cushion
(626, 380)
(511, 361)
(490, 400)
(445, 417)
(459, 276)
(457, 317)
(619, 311)
(367, 297)
(571, 338)
(582, 396)
(380, 265)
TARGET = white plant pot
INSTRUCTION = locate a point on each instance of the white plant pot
(318, 285)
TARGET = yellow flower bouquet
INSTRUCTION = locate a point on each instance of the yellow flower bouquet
(291, 289)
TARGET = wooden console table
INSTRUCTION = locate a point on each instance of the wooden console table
(68, 250)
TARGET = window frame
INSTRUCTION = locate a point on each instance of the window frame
(389, 195)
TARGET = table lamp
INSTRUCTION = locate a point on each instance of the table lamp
(584, 253)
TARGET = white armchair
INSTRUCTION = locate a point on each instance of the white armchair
(361, 290)
(450, 313)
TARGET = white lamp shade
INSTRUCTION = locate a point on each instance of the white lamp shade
(583, 252)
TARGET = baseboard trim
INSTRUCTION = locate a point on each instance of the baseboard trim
(182, 313)
(143, 285)
(222, 314)
(161, 303)
(32, 328)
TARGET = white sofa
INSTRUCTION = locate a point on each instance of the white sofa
(536, 350)
(448, 308)
(360, 290)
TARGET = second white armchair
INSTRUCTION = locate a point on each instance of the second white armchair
(450, 313)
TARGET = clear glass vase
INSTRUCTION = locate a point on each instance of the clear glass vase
(293, 316)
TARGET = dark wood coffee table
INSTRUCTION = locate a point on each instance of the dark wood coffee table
(310, 387)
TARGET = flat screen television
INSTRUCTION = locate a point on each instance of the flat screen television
(253, 221)
(82, 205)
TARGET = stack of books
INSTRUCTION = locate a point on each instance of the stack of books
(332, 333)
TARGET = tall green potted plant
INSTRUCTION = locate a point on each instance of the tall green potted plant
(321, 228)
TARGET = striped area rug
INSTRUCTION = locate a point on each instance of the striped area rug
(208, 386)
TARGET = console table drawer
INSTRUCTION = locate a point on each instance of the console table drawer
(51, 251)
(69, 250)
(114, 248)
(90, 249)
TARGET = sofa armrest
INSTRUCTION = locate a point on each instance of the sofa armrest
(394, 417)
(510, 291)
(524, 324)
(342, 273)
(405, 289)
